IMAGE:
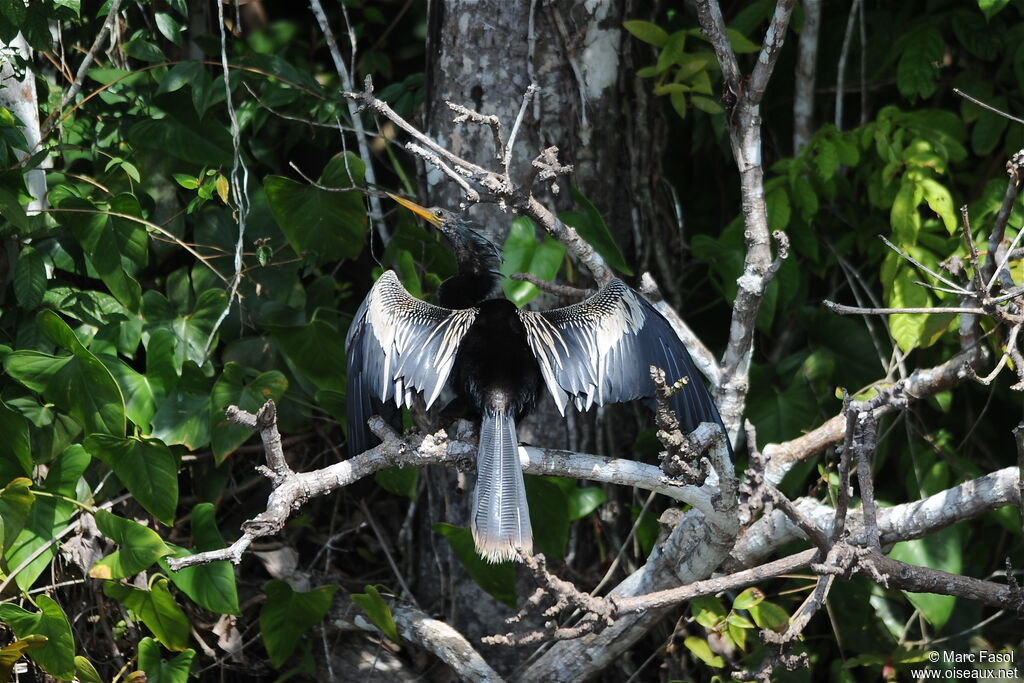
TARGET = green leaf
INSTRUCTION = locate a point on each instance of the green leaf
(549, 516)
(211, 586)
(672, 51)
(708, 611)
(139, 547)
(191, 329)
(702, 651)
(85, 672)
(183, 418)
(748, 598)
(940, 200)
(904, 218)
(916, 72)
(497, 579)
(48, 517)
(594, 230)
(104, 242)
(15, 505)
(344, 169)
(522, 254)
(146, 467)
(769, 615)
(740, 43)
(378, 611)
(401, 481)
(184, 137)
(169, 27)
(78, 384)
(57, 656)
(331, 225)
(706, 104)
(315, 350)
(826, 159)
(990, 8)
(140, 404)
(29, 278)
(232, 388)
(287, 614)
(649, 33)
(15, 451)
(160, 670)
(157, 609)
(13, 211)
(944, 551)
(583, 501)
(908, 328)
(779, 210)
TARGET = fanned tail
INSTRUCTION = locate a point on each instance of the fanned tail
(501, 518)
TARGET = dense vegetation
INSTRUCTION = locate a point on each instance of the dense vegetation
(185, 260)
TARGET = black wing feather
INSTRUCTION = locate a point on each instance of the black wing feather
(397, 347)
(601, 349)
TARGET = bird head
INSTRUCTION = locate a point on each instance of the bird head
(461, 236)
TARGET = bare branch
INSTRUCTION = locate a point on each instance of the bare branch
(553, 287)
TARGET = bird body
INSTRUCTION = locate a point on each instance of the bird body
(497, 359)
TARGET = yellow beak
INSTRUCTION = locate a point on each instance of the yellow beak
(423, 212)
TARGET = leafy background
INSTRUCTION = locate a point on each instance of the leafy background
(122, 339)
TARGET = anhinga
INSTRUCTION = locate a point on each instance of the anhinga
(497, 358)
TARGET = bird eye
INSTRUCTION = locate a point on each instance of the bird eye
(437, 212)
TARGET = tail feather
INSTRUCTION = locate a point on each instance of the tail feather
(501, 518)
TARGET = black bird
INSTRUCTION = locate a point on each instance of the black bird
(497, 358)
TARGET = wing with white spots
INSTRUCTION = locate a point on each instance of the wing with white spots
(397, 347)
(601, 349)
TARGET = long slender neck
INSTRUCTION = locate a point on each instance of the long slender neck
(476, 281)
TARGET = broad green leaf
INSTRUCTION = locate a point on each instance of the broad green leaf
(15, 448)
(287, 614)
(497, 579)
(139, 403)
(769, 615)
(779, 210)
(904, 217)
(78, 384)
(207, 143)
(57, 656)
(344, 169)
(521, 253)
(157, 609)
(183, 418)
(944, 551)
(708, 611)
(378, 611)
(29, 278)
(596, 233)
(826, 159)
(234, 388)
(139, 547)
(549, 516)
(12, 210)
(160, 670)
(672, 51)
(706, 104)
(647, 32)
(104, 243)
(748, 598)
(211, 586)
(48, 517)
(331, 225)
(192, 329)
(16, 500)
(702, 651)
(907, 328)
(317, 351)
(940, 201)
(740, 43)
(401, 481)
(146, 467)
(916, 72)
(990, 8)
(583, 501)
(169, 27)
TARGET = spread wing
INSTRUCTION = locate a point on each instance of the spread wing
(601, 349)
(397, 347)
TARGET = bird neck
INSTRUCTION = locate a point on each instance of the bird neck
(476, 281)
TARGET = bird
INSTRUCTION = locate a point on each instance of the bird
(499, 359)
